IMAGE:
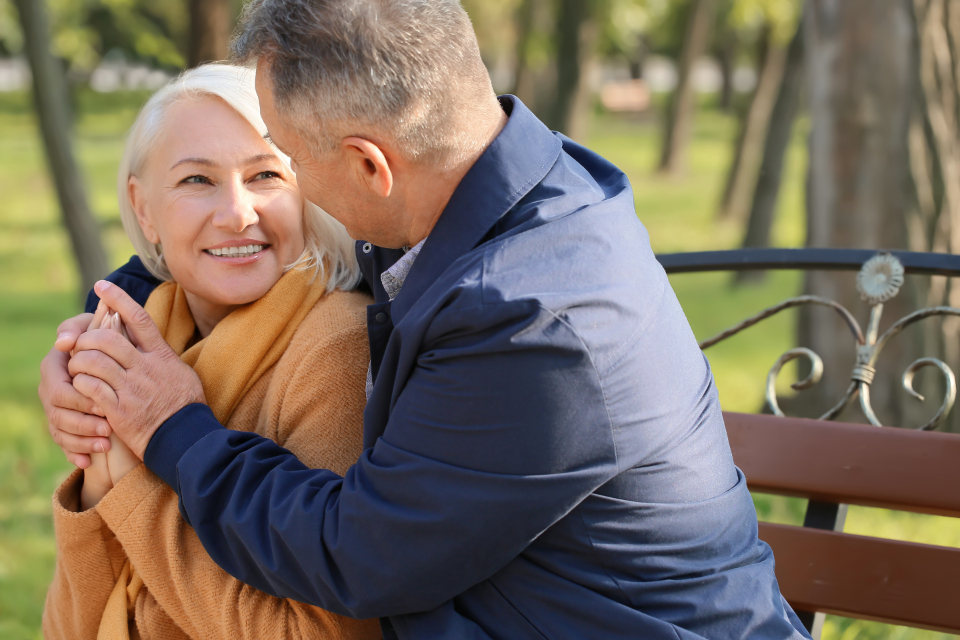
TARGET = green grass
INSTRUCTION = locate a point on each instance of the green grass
(38, 288)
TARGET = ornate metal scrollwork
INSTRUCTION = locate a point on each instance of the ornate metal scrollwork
(878, 280)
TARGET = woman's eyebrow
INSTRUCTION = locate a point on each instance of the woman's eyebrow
(210, 163)
(204, 161)
(259, 158)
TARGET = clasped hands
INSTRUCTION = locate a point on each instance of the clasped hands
(106, 391)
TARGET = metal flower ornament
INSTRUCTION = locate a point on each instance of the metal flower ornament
(878, 280)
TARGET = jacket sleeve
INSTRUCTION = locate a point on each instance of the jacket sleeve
(197, 595)
(133, 278)
(499, 431)
(89, 559)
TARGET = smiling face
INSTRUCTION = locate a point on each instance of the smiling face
(224, 207)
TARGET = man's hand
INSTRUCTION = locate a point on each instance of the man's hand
(74, 421)
(137, 384)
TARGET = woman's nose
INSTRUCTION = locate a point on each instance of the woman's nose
(236, 211)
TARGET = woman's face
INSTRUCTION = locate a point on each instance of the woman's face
(225, 209)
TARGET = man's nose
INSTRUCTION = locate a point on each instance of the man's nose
(236, 210)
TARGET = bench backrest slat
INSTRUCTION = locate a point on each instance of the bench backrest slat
(867, 578)
(885, 467)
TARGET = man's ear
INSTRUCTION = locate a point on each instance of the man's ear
(368, 162)
(138, 202)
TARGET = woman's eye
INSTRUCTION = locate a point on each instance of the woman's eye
(195, 180)
(266, 175)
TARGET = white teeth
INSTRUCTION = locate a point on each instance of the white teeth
(234, 252)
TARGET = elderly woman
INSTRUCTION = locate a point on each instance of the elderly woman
(258, 301)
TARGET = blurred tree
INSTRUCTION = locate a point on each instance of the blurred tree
(551, 45)
(522, 76)
(83, 31)
(776, 22)
(679, 117)
(498, 29)
(625, 31)
(779, 132)
(577, 38)
(11, 37)
(934, 221)
(50, 98)
(211, 23)
(726, 49)
(861, 73)
(155, 33)
(534, 46)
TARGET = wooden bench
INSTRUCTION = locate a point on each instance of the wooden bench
(820, 568)
(834, 463)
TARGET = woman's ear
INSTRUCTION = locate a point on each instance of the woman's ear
(138, 201)
(368, 162)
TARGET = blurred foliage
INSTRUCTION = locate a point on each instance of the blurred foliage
(626, 23)
(752, 16)
(494, 25)
(11, 39)
(85, 31)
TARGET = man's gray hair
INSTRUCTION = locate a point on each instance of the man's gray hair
(410, 69)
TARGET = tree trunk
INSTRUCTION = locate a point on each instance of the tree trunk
(727, 57)
(522, 77)
(637, 58)
(211, 23)
(935, 169)
(742, 175)
(860, 62)
(51, 100)
(679, 121)
(576, 39)
(779, 133)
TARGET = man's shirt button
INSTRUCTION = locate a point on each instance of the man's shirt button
(367, 247)
(380, 317)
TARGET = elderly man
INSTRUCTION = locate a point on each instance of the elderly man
(545, 453)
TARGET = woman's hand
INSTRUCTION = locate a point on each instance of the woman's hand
(138, 383)
(96, 482)
(71, 417)
(121, 460)
(106, 469)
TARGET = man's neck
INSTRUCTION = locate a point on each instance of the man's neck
(434, 188)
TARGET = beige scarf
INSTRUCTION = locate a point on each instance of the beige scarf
(241, 348)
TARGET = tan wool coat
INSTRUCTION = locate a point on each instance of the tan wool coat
(311, 402)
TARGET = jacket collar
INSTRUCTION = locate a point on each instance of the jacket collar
(515, 162)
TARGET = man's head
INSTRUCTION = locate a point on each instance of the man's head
(378, 102)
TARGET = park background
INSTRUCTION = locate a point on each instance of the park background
(739, 123)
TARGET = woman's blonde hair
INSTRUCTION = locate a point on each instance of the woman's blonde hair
(327, 244)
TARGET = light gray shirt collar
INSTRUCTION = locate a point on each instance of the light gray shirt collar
(394, 277)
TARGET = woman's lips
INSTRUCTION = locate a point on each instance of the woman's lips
(239, 251)
(246, 254)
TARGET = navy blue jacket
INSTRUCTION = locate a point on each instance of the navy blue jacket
(545, 455)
